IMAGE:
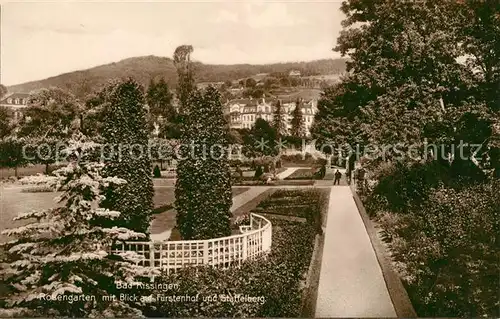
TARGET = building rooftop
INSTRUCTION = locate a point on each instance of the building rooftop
(15, 96)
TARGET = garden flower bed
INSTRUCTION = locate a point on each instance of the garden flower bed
(305, 174)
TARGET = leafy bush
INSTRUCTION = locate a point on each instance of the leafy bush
(241, 220)
(258, 172)
(447, 251)
(156, 172)
(406, 187)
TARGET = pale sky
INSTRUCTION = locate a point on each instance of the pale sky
(39, 40)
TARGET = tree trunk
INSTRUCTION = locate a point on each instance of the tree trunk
(15, 172)
(47, 169)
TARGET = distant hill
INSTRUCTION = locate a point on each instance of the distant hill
(146, 67)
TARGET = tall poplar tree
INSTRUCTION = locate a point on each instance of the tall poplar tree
(279, 122)
(298, 127)
(159, 99)
(203, 195)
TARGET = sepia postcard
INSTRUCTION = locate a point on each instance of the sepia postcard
(295, 159)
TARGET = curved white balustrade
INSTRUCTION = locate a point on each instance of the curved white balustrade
(255, 241)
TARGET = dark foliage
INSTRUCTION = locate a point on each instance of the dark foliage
(125, 126)
(258, 172)
(203, 187)
(156, 172)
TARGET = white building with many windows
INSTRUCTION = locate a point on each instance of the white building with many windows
(15, 103)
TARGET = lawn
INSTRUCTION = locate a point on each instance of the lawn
(29, 170)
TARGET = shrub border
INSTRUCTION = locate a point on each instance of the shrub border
(397, 292)
(310, 294)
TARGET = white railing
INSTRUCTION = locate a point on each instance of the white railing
(224, 252)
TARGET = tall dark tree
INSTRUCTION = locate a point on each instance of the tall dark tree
(51, 113)
(125, 129)
(185, 74)
(11, 153)
(279, 121)
(3, 91)
(406, 84)
(159, 99)
(5, 122)
(262, 139)
(203, 188)
(298, 125)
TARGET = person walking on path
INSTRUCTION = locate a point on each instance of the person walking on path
(338, 175)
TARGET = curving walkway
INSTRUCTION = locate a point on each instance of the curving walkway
(351, 284)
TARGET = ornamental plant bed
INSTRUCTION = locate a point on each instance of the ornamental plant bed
(303, 212)
(250, 183)
(293, 201)
(276, 282)
(283, 217)
(301, 203)
(310, 193)
(295, 182)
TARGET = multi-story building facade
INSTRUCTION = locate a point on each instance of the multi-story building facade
(243, 113)
(15, 102)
